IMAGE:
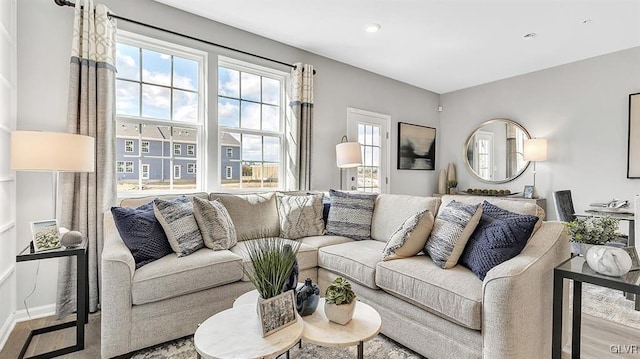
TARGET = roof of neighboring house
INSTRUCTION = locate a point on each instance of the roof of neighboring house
(228, 140)
(155, 132)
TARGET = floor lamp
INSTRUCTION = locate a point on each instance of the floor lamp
(348, 155)
(535, 149)
(55, 152)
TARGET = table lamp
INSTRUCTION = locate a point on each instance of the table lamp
(55, 152)
(535, 149)
(348, 155)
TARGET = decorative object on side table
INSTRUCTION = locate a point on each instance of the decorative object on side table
(453, 186)
(611, 261)
(588, 231)
(489, 192)
(45, 235)
(340, 301)
(272, 264)
(307, 298)
(528, 192)
(71, 239)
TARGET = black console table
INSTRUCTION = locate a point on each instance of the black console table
(82, 284)
(578, 270)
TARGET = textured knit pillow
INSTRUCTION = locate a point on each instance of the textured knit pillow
(500, 236)
(409, 239)
(300, 216)
(141, 233)
(216, 227)
(351, 214)
(451, 231)
(179, 223)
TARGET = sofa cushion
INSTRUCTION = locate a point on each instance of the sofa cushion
(451, 230)
(391, 210)
(216, 226)
(179, 224)
(142, 233)
(307, 256)
(171, 276)
(300, 215)
(350, 214)
(454, 294)
(500, 236)
(354, 260)
(323, 241)
(254, 215)
(409, 239)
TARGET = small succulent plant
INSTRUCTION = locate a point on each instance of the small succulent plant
(339, 292)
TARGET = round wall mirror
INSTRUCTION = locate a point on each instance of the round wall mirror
(493, 153)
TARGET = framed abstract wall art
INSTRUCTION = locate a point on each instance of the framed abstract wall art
(416, 147)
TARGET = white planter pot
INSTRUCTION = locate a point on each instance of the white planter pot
(340, 314)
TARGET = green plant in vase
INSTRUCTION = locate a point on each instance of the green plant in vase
(592, 231)
(272, 264)
(340, 301)
(453, 186)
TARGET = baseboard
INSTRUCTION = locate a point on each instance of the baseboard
(6, 329)
(36, 312)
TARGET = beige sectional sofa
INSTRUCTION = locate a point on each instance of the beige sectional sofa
(439, 313)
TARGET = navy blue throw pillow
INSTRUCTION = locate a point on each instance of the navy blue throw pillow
(500, 236)
(142, 233)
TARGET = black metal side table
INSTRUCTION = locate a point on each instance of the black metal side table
(578, 270)
(82, 284)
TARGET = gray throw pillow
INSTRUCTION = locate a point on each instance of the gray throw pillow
(218, 231)
(179, 224)
(409, 239)
(350, 214)
(300, 216)
(451, 230)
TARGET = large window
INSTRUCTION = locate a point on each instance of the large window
(160, 108)
(250, 117)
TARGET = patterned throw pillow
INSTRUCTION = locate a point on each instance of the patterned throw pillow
(350, 214)
(409, 239)
(500, 236)
(216, 227)
(451, 231)
(179, 223)
(141, 233)
(300, 216)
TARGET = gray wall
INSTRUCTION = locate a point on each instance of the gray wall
(582, 110)
(43, 60)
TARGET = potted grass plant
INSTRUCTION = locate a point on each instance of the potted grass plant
(340, 301)
(273, 261)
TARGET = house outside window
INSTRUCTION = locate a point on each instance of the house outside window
(160, 94)
(177, 171)
(251, 118)
(191, 168)
(119, 166)
(128, 167)
(191, 150)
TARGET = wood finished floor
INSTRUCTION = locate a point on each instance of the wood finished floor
(597, 337)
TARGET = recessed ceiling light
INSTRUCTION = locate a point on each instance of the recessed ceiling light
(586, 21)
(529, 36)
(372, 27)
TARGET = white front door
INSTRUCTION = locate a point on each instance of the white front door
(371, 130)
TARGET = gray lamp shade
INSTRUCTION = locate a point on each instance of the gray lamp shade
(52, 151)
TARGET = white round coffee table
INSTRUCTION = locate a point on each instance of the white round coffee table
(237, 333)
(365, 325)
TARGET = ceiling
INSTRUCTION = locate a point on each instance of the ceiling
(440, 46)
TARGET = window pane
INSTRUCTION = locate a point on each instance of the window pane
(360, 133)
(376, 136)
(127, 98)
(228, 82)
(156, 67)
(250, 115)
(270, 91)
(185, 73)
(251, 148)
(270, 118)
(228, 112)
(185, 106)
(368, 135)
(183, 137)
(250, 85)
(271, 149)
(270, 174)
(367, 160)
(376, 156)
(230, 160)
(128, 62)
(156, 102)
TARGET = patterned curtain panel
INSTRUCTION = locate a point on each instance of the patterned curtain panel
(86, 196)
(301, 102)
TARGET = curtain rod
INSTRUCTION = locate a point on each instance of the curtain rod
(111, 15)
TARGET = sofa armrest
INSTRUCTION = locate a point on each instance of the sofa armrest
(118, 267)
(518, 297)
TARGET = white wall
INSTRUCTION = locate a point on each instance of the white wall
(581, 108)
(43, 56)
(7, 178)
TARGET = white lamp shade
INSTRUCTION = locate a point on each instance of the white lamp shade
(52, 151)
(348, 155)
(535, 149)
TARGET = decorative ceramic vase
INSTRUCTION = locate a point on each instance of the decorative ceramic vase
(442, 182)
(451, 172)
(609, 261)
(307, 298)
(292, 282)
(340, 314)
(71, 239)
